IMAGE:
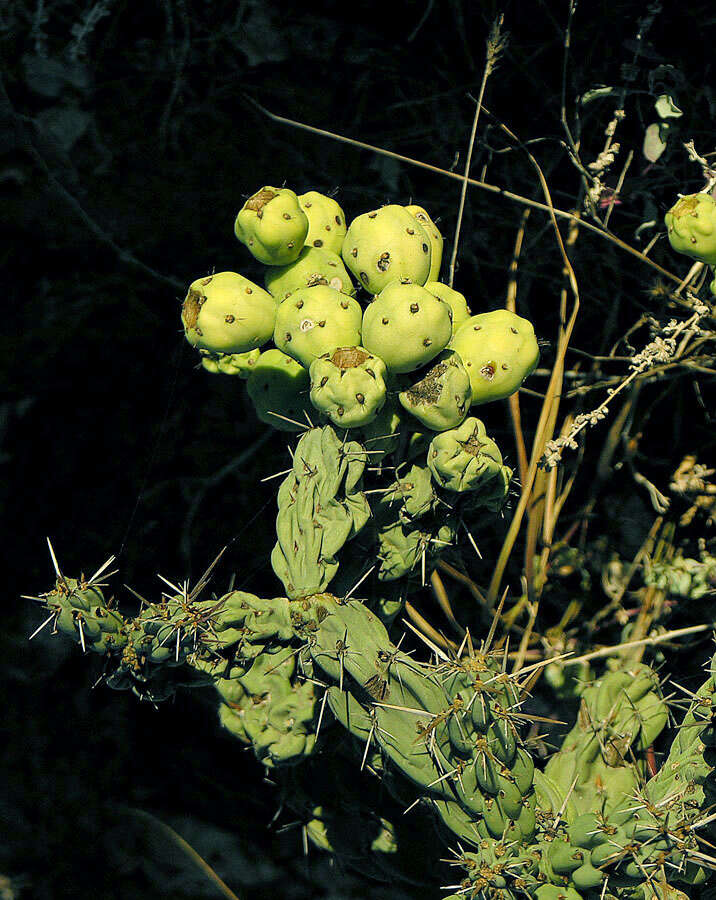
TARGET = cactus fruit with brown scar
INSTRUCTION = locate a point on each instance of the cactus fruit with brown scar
(691, 226)
(227, 313)
(272, 225)
(348, 386)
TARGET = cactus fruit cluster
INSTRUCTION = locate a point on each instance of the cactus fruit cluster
(375, 750)
(367, 287)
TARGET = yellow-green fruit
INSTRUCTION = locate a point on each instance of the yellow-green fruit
(273, 226)
(317, 320)
(278, 388)
(406, 326)
(691, 224)
(326, 221)
(436, 240)
(313, 266)
(230, 363)
(441, 399)
(455, 300)
(348, 386)
(227, 313)
(499, 350)
(386, 245)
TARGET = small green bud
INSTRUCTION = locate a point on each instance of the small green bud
(466, 459)
(230, 363)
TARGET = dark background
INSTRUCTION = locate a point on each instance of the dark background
(127, 144)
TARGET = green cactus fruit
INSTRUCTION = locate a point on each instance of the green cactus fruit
(436, 239)
(386, 245)
(441, 399)
(406, 326)
(273, 226)
(455, 300)
(326, 221)
(314, 266)
(348, 386)
(240, 364)
(466, 459)
(691, 224)
(278, 387)
(499, 350)
(317, 320)
(227, 313)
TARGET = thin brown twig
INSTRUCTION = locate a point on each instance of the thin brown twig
(545, 425)
(195, 857)
(483, 185)
(441, 595)
(510, 304)
(494, 45)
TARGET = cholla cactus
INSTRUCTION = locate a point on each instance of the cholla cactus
(316, 683)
